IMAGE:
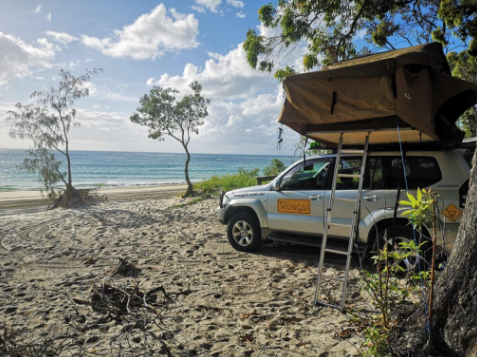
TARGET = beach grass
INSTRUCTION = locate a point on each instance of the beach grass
(226, 182)
(211, 187)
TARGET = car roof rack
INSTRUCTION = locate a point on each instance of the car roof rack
(466, 144)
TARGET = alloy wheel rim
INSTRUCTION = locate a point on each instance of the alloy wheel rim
(242, 233)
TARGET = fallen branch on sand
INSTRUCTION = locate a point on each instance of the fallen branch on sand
(130, 300)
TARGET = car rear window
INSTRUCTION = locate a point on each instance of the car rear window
(421, 172)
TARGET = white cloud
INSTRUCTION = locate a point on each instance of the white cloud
(61, 37)
(211, 5)
(224, 76)
(48, 16)
(241, 15)
(149, 36)
(18, 58)
(236, 3)
(244, 108)
(37, 9)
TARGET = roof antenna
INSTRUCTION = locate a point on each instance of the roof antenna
(280, 139)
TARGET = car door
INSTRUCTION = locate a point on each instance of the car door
(373, 195)
(299, 204)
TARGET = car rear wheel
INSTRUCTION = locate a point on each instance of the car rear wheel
(243, 232)
(403, 234)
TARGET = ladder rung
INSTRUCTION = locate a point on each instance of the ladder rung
(331, 277)
(350, 151)
(335, 251)
(339, 225)
(352, 200)
(349, 175)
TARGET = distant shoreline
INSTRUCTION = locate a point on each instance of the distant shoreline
(20, 200)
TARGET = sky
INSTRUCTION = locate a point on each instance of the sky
(140, 44)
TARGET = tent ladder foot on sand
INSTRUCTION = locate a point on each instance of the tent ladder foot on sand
(353, 227)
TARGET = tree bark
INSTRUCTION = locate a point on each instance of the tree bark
(70, 180)
(454, 321)
(186, 171)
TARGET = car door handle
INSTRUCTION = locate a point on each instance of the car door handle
(371, 198)
(315, 197)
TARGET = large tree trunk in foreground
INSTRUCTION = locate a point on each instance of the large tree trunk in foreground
(186, 170)
(454, 316)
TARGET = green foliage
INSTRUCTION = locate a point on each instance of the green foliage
(330, 27)
(165, 116)
(387, 292)
(464, 66)
(280, 74)
(251, 173)
(421, 213)
(47, 125)
(274, 168)
(215, 184)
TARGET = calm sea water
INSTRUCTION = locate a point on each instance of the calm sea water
(111, 169)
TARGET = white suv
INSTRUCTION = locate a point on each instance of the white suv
(292, 207)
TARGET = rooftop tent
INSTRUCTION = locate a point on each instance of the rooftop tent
(411, 87)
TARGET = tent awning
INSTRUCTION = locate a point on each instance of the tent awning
(412, 88)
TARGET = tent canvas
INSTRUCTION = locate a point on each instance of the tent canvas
(411, 88)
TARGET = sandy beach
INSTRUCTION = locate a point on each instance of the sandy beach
(219, 302)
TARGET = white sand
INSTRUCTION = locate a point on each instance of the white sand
(228, 303)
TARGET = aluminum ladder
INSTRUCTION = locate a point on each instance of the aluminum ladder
(353, 226)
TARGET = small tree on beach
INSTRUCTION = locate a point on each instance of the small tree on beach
(164, 116)
(48, 125)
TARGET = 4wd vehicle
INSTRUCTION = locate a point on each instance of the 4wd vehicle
(292, 207)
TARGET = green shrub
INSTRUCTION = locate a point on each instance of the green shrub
(274, 168)
(227, 182)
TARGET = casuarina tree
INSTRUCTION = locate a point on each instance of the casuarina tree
(47, 124)
(178, 119)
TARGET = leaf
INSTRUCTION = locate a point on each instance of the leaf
(412, 199)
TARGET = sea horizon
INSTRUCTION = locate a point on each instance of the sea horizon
(98, 169)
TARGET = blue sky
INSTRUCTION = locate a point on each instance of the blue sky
(139, 44)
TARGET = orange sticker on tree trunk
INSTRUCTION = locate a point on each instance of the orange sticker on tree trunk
(452, 212)
(294, 206)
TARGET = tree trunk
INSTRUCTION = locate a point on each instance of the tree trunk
(69, 187)
(454, 321)
(186, 171)
(70, 180)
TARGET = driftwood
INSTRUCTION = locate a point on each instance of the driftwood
(129, 300)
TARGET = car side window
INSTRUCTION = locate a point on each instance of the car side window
(373, 177)
(348, 166)
(308, 176)
(421, 172)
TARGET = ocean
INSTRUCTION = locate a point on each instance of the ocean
(116, 169)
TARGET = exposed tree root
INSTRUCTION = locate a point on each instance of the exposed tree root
(72, 197)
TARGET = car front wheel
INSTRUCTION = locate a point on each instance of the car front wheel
(243, 232)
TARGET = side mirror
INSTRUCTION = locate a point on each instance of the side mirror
(276, 186)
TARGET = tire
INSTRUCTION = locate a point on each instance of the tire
(398, 234)
(243, 232)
